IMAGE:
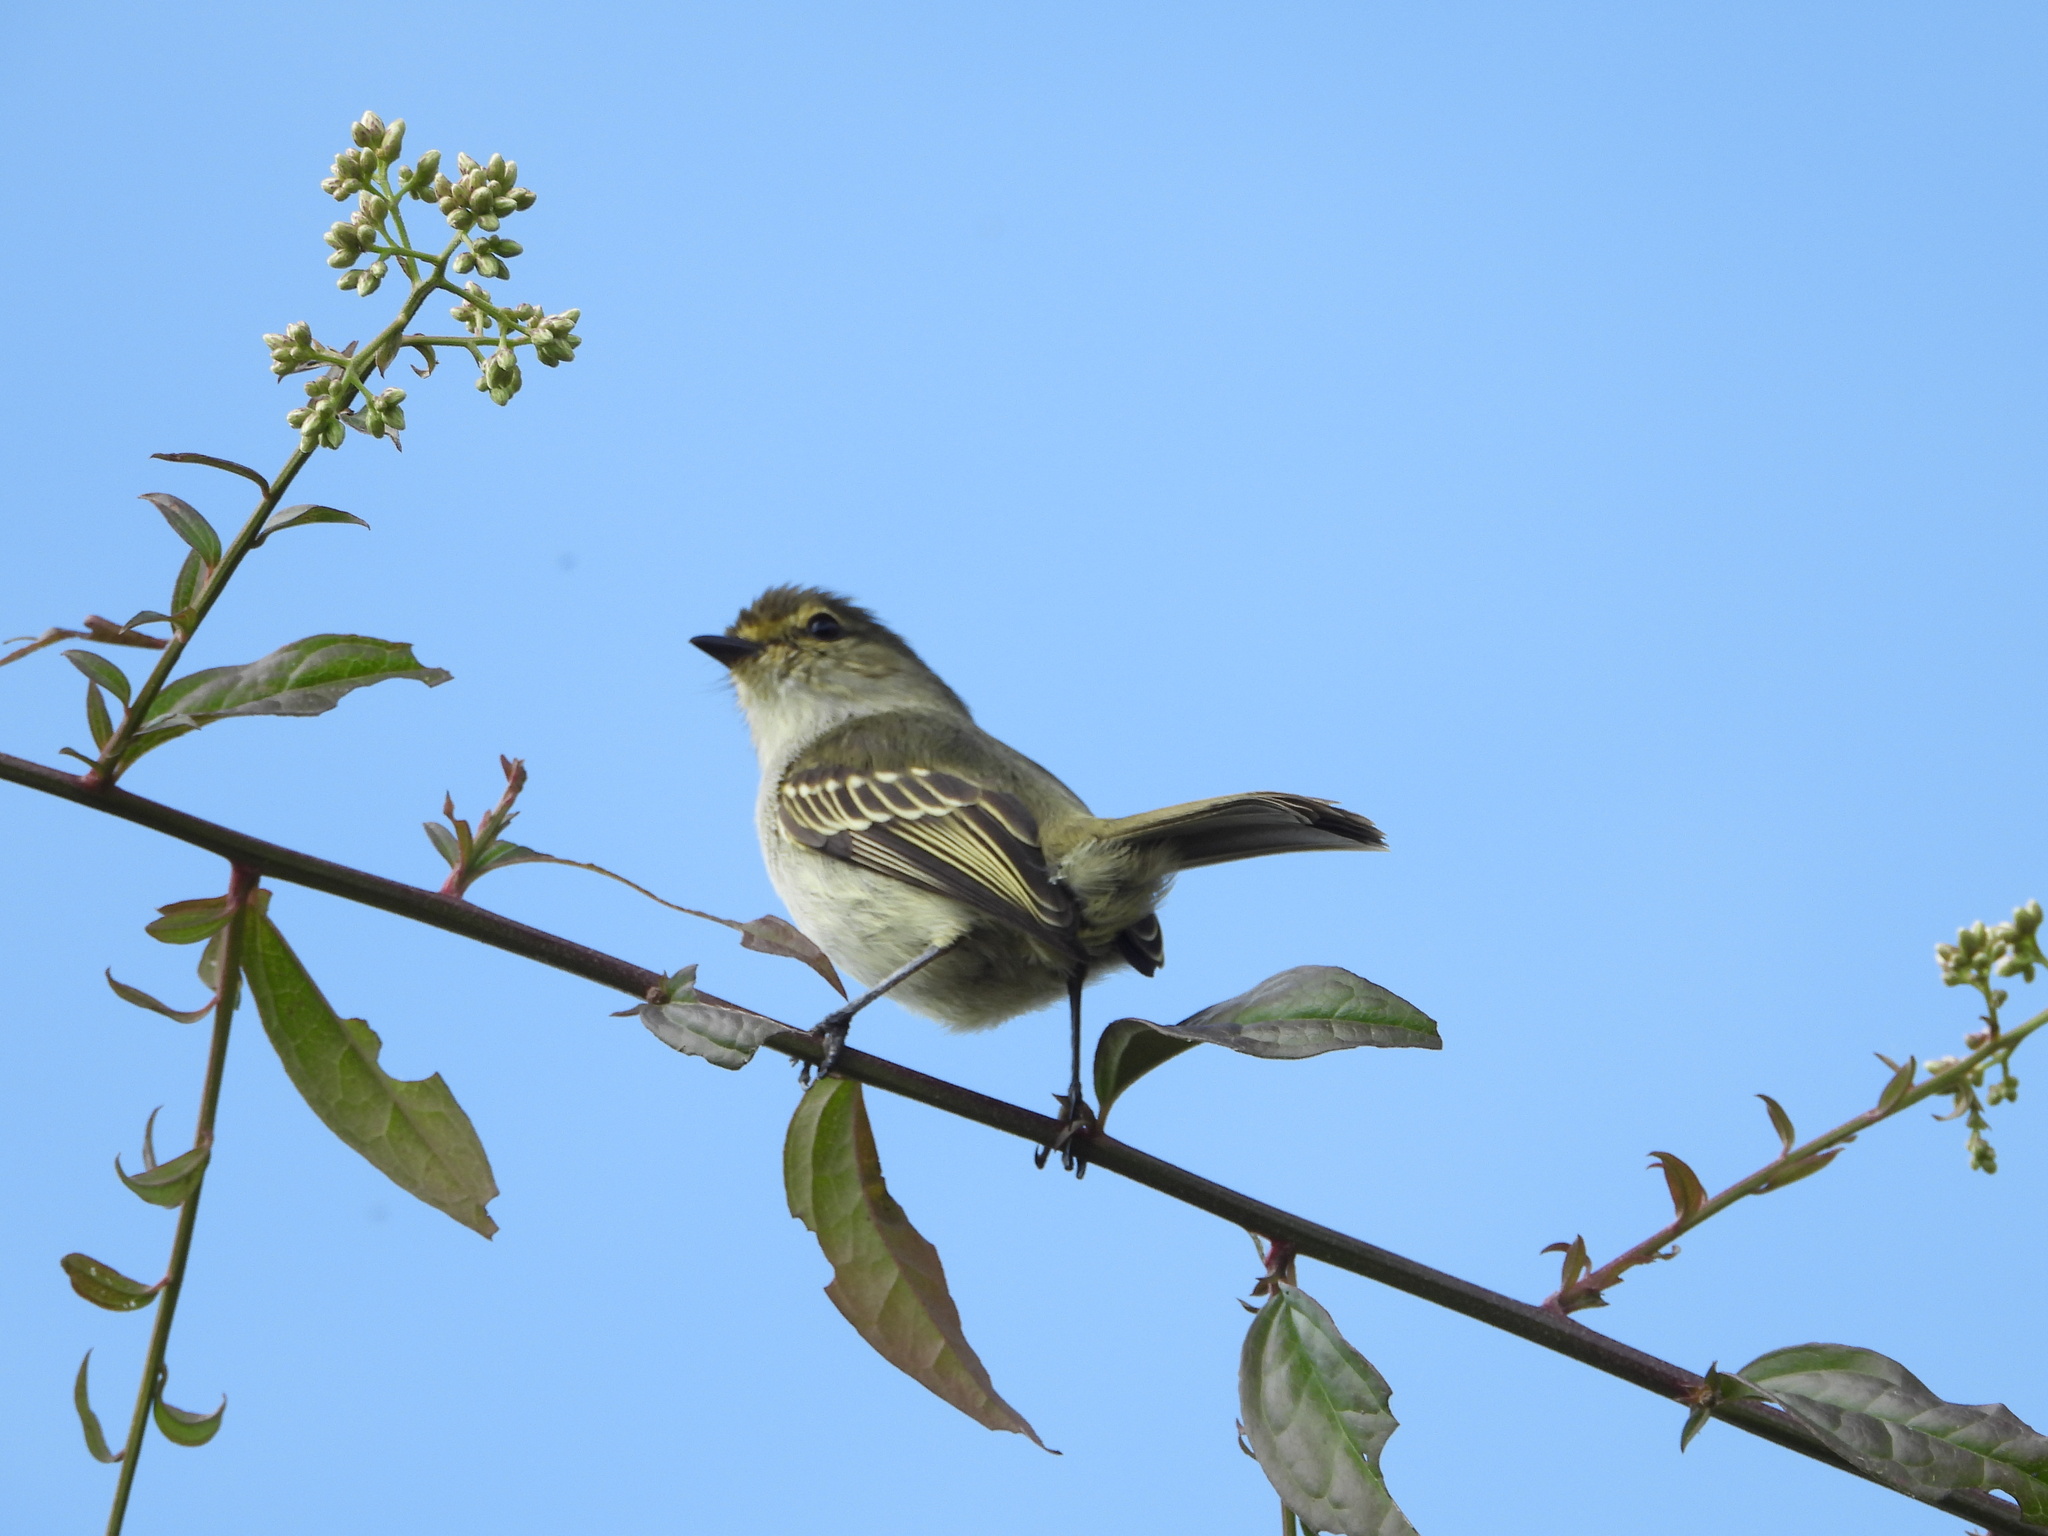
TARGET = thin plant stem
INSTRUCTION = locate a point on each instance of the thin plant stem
(109, 767)
(241, 883)
(1585, 1291)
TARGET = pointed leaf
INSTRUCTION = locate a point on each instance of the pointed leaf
(302, 514)
(185, 590)
(886, 1279)
(1900, 1084)
(208, 967)
(1805, 1168)
(105, 1286)
(227, 464)
(101, 671)
(1129, 1049)
(307, 677)
(187, 922)
(95, 1437)
(96, 720)
(1687, 1193)
(1316, 1414)
(170, 1184)
(725, 1037)
(497, 854)
(1880, 1416)
(183, 1428)
(772, 935)
(186, 522)
(413, 1132)
(444, 842)
(1306, 1011)
(142, 999)
(1780, 1122)
(1576, 1260)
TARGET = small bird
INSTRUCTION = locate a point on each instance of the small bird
(935, 863)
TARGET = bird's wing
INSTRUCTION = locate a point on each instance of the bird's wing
(1244, 827)
(936, 830)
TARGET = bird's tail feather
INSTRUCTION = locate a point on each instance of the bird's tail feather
(1243, 827)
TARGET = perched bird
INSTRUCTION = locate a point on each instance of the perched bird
(905, 839)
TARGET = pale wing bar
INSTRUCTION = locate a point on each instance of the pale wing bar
(933, 829)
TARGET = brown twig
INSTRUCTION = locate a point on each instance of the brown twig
(1539, 1325)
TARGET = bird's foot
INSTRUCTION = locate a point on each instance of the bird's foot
(833, 1032)
(1070, 1138)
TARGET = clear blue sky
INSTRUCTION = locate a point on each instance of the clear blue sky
(1599, 441)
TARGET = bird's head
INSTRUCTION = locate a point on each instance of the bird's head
(803, 659)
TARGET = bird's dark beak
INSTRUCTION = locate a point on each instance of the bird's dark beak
(728, 649)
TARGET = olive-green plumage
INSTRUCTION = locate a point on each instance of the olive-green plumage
(892, 823)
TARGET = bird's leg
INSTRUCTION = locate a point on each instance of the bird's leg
(832, 1028)
(1076, 1118)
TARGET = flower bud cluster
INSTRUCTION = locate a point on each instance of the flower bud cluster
(380, 414)
(500, 377)
(366, 280)
(483, 194)
(295, 351)
(1980, 952)
(554, 336)
(487, 256)
(374, 144)
(319, 419)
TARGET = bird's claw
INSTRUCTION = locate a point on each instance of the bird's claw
(1070, 1137)
(833, 1033)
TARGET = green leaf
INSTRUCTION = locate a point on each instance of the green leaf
(95, 1437)
(142, 999)
(101, 671)
(1780, 1122)
(187, 922)
(305, 512)
(170, 1184)
(1576, 1262)
(180, 1427)
(227, 464)
(209, 962)
(497, 854)
(1901, 1083)
(725, 1037)
(679, 988)
(1129, 1049)
(96, 720)
(1880, 1416)
(1805, 1168)
(1316, 1414)
(185, 590)
(1306, 1011)
(444, 842)
(886, 1279)
(105, 1286)
(186, 522)
(307, 677)
(413, 1132)
(1687, 1193)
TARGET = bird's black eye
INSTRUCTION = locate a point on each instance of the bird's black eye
(824, 626)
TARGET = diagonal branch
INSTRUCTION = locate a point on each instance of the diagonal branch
(1525, 1320)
